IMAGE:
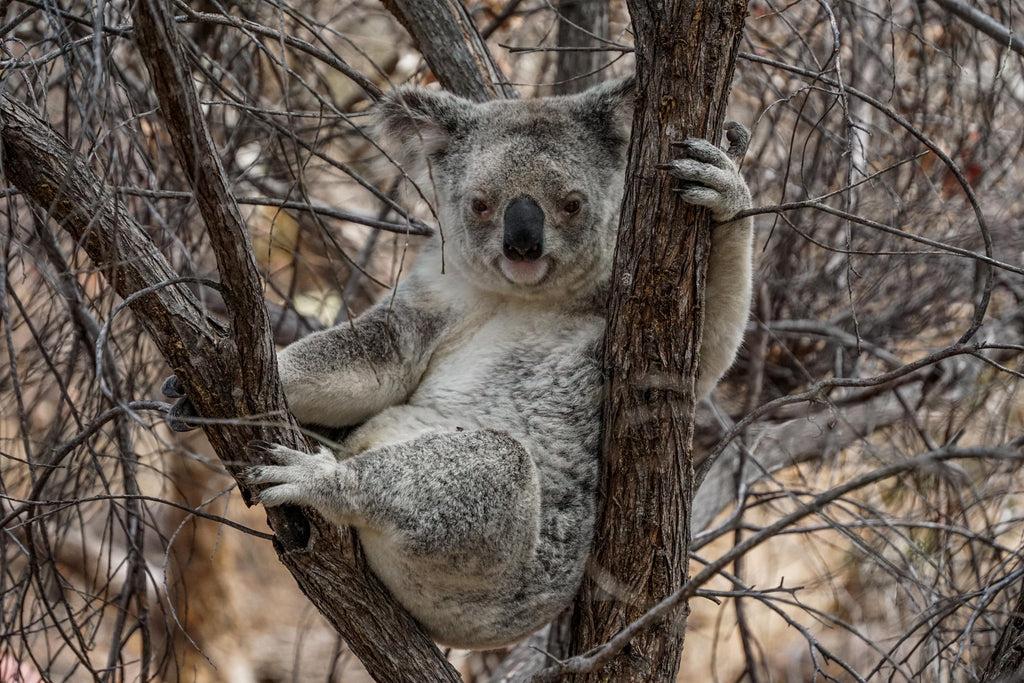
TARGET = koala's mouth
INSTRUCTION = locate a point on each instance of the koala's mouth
(526, 273)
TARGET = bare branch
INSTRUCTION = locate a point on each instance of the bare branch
(594, 659)
(993, 29)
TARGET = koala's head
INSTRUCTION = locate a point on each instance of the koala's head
(528, 190)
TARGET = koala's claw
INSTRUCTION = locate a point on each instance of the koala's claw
(180, 414)
(704, 152)
(276, 478)
(289, 476)
(282, 455)
(282, 494)
(260, 446)
(264, 474)
(708, 176)
(251, 475)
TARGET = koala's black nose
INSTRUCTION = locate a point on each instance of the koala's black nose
(524, 230)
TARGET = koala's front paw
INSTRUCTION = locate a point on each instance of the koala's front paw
(709, 177)
(295, 478)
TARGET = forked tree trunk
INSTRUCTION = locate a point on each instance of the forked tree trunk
(686, 51)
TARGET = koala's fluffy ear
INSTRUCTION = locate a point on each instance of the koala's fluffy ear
(607, 109)
(421, 121)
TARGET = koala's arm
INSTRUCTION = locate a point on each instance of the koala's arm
(342, 376)
(726, 300)
(710, 178)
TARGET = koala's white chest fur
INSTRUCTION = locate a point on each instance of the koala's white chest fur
(480, 371)
(503, 366)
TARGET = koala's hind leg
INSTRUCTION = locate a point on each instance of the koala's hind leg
(470, 498)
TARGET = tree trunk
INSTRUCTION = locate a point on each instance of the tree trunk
(686, 53)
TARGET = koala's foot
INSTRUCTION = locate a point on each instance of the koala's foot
(180, 417)
(709, 177)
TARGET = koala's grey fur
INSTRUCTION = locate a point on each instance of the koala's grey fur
(472, 476)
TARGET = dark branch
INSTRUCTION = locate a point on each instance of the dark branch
(984, 23)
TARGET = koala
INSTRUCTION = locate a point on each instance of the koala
(474, 392)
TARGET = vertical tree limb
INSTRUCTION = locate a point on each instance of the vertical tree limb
(156, 37)
(686, 51)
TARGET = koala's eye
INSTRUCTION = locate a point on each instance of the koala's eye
(481, 208)
(571, 207)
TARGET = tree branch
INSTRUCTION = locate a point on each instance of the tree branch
(447, 38)
(410, 653)
(580, 23)
(160, 47)
(984, 23)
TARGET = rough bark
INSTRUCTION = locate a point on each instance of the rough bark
(158, 43)
(685, 58)
(450, 43)
(229, 374)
